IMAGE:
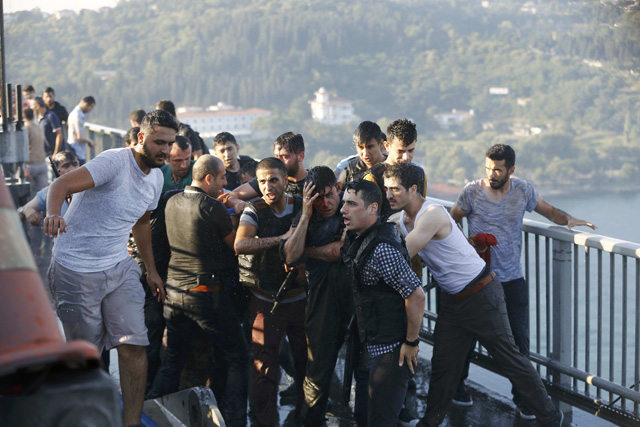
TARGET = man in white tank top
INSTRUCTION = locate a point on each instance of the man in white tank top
(471, 305)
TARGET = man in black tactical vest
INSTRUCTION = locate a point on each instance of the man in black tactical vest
(368, 139)
(317, 238)
(264, 224)
(388, 303)
(202, 271)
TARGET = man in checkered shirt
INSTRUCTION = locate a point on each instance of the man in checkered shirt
(388, 302)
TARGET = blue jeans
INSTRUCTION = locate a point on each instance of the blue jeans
(213, 312)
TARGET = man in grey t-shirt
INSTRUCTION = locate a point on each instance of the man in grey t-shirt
(496, 205)
(94, 283)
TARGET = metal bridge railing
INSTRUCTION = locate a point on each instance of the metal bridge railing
(584, 299)
(584, 312)
(104, 138)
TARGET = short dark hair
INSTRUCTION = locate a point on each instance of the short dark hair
(271, 163)
(28, 113)
(322, 177)
(502, 152)
(404, 130)
(206, 165)
(49, 89)
(407, 173)
(292, 142)
(166, 105)
(28, 88)
(132, 135)
(183, 142)
(38, 100)
(224, 137)
(89, 100)
(137, 116)
(158, 118)
(64, 155)
(367, 190)
(249, 168)
(367, 131)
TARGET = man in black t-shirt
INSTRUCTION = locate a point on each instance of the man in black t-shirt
(318, 237)
(202, 271)
(225, 147)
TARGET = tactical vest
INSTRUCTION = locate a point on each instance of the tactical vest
(265, 270)
(380, 310)
(355, 170)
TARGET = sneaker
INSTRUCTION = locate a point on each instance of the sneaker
(407, 419)
(462, 397)
(525, 413)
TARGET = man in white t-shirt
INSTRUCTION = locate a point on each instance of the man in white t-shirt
(94, 282)
(77, 135)
(471, 304)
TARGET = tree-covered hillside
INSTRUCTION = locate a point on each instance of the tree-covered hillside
(571, 70)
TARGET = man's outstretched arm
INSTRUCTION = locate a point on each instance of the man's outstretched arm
(559, 216)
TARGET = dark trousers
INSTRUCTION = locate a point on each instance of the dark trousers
(516, 296)
(381, 385)
(329, 310)
(155, 323)
(484, 316)
(267, 334)
(213, 312)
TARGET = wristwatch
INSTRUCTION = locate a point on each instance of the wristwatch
(412, 343)
(21, 212)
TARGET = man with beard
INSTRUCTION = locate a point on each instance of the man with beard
(225, 147)
(177, 173)
(263, 225)
(496, 205)
(94, 282)
(289, 148)
(471, 302)
(49, 98)
(317, 238)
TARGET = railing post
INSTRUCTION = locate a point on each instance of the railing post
(562, 319)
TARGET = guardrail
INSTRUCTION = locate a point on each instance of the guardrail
(104, 138)
(585, 319)
(584, 315)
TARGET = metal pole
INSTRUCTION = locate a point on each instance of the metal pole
(562, 318)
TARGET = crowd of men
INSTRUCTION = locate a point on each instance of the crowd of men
(260, 262)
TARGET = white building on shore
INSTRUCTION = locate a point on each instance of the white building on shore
(330, 109)
(222, 118)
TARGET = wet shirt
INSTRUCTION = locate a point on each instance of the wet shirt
(502, 219)
(196, 225)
